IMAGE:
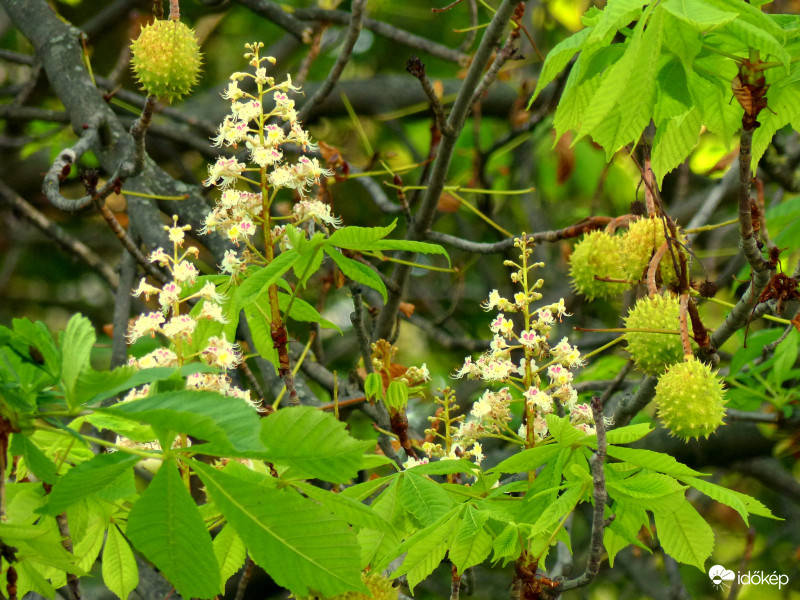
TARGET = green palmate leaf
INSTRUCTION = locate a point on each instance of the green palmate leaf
(472, 542)
(445, 467)
(90, 383)
(120, 573)
(617, 14)
(31, 580)
(76, 345)
(88, 478)
(741, 503)
(527, 460)
(674, 98)
(685, 535)
(558, 58)
(345, 508)
(700, 14)
(427, 548)
(626, 121)
(301, 545)
(557, 510)
(424, 498)
(376, 544)
(624, 529)
(562, 430)
(209, 416)
(38, 336)
(674, 141)
(37, 461)
(86, 547)
(313, 444)
(545, 488)
(628, 434)
(303, 311)
(230, 552)
(409, 246)
(613, 82)
(681, 39)
(644, 484)
(259, 316)
(507, 544)
(740, 32)
(357, 271)
(655, 461)
(358, 238)
(165, 525)
(748, 13)
(258, 283)
(582, 84)
(396, 397)
(712, 98)
(783, 108)
(308, 264)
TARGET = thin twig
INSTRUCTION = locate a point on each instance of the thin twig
(600, 498)
(357, 319)
(508, 51)
(387, 318)
(417, 68)
(684, 320)
(58, 235)
(73, 584)
(241, 586)
(746, 237)
(652, 269)
(353, 30)
(122, 310)
(630, 406)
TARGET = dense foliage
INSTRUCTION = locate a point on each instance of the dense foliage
(271, 360)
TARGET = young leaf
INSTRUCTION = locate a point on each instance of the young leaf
(120, 572)
(91, 383)
(507, 544)
(741, 503)
(562, 430)
(699, 14)
(165, 525)
(527, 460)
(76, 345)
(557, 510)
(427, 548)
(627, 434)
(644, 484)
(358, 238)
(87, 479)
(230, 552)
(424, 498)
(674, 141)
(656, 461)
(472, 542)
(373, 387)
(685, 535)
(624, 529)
(252, 287)
(301, 545)
(616, 14)
(37, 335)
(345, 508)
(357, 271)
(86, 547)
(558, 58)
(230, 422)
(313, 444)
(259, 314)
(303, 311)
(37, 461)
(408, 246)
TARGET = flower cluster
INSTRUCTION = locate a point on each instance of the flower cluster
(264, 131)
(177, 324)
(523, 358)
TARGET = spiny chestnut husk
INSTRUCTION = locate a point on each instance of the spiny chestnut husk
(597, 254)
(166, 59)
(644, 237)
(654, 352)
(690, 399)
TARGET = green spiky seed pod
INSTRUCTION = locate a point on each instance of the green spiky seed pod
(644, 237)
(597, 254)
(166, 59)
(653, 352)
(690, 399)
